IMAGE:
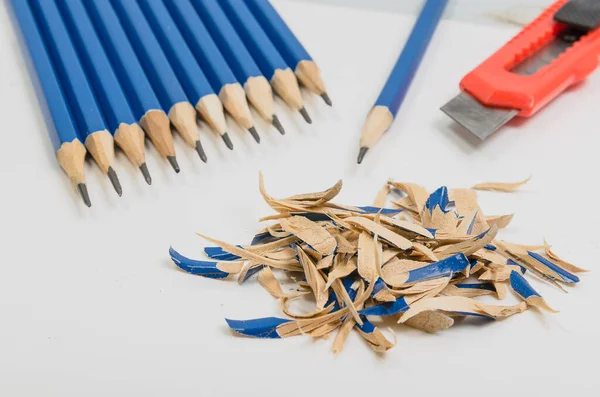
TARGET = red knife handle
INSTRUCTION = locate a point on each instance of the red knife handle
(493, 84)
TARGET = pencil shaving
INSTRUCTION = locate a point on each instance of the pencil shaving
(427, 265)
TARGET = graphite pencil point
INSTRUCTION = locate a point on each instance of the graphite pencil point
(84, 194)
(227, 141)
(254, 134)
(361, 154)
(304, 114)
(114, 179)
(146, 173)
(173, 161)
(200, 151)
(277, 125)
(326, 99)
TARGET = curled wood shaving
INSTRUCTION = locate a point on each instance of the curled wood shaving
(314, 279)
(381, 197)
(562, 263)
(342, 269)
(267, 279)
(430, 322)
(416, 193)
(320, 197)
(311, 233)
(501, 221)
(395, 239)
(500, 186)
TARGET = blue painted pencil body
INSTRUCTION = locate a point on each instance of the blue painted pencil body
(95, 61)
(148, 49)
(138, 89)
(224, 34)
(90, 122)
(65, 129)
(70, 152)
(402, 75)
(278, 31)
(271, 63)
(203, 46)
(184, 63)
(258, 43)
(212, 62)
(80, 95)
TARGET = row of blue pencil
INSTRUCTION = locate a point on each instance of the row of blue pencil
(114, 71)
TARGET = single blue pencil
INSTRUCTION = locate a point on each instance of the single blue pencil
(70, 152)
(212, 62)
(81, 98)
(271, 63)
(289, 47)
(386, 107)
(140, 94)
(123, 124)
(191, 76)
(162, 76)
(257, 87)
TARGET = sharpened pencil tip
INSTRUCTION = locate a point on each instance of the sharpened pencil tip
(277, 125)
(361, 154)
(84, 194)
(200, 151)
(114, 179)
(146, 173)
(326, 99)
(304, 114)
(254, 134)
(227, 141)
(173, 161)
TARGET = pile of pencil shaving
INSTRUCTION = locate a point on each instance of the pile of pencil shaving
(425, 261)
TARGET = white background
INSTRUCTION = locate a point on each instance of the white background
(90, 304)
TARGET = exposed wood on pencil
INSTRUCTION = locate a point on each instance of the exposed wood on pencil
(378, 121)
(234, 100)
(130, 139)
(157, 126)
(285, 84)
(183, 117)
(101, 146)
(71, 157)
(310, 76)
(260, 95)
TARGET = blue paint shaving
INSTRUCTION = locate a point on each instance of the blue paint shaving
(367, 327)
(379, 285)
(263, 238)
(201, 268)
(439, 198)
(565, 275)
(490, 247)
(444, 268)
(219, 254)
(521, 286)
(384, 211)
(252, 272)
(265, 328)
(387, 308)
(482, 286)
(432, 231)
(513, 263)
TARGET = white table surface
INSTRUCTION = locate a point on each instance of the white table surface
(91, 305)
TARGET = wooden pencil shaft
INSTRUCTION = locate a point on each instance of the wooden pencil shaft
(155, 63)
(61, 127)
(404, 70)
(79, 93)
(378, 122)
(259, 93)
(158, 128)
(130, 139)
(226, 37)
(201, 44)
(183, 117)
(258, 43)
(111, 96)
(285, 84)
(310, 76)
(101, 146)
(138, 90)
(234, 100)
(191, 76)
(211, 111)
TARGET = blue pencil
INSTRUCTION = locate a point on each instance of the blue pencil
(257, 87)
(289, 47)
(386, 107)
(271, 63)
(164, 80)
(192, 78)
(70, 152)
(213, 63)
(140, 94)
(87, 113)
(127, 133)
